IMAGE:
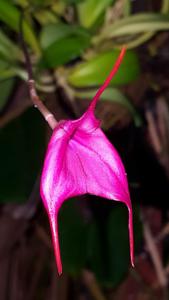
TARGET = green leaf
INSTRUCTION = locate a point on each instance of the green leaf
(94, 71)
(135, 24)
(22, 150)
(45, 17)
(59, 8)
(73, 237)
(7, 47)
(3, 64)
(62, 43)
(90, 10)
(64, 51)
(6, 69)
(35, 3)
(165, 6)
(22, 3)
(54, 32)
(113, 95)
(9, 70)
(127, 7)
(10, 15)
(72, 1)
(6, 87)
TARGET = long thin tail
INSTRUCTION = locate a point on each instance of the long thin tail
(131, 237)
(55, 238)
(108, 79)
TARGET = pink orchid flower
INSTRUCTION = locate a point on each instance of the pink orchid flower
(81, 160)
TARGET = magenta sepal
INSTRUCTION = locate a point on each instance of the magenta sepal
(81, 160)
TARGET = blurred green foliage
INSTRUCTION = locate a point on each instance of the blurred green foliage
(90, 10)
(94, 71)
(78, 40)
(22, 150)
(61, 43)
(103, 246)
(5, 88)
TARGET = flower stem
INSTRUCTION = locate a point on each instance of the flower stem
(49, 117)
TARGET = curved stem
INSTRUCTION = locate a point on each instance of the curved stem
(49, 117)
